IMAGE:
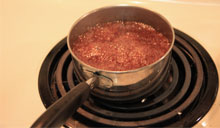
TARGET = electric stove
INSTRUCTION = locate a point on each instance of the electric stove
(185, 94)
(180, 98)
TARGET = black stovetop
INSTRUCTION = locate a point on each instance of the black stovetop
(182, 97)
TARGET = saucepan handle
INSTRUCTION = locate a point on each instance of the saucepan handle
(57, 114)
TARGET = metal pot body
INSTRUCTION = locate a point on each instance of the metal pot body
(116, 80)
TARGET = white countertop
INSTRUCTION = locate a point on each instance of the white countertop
(30, 29)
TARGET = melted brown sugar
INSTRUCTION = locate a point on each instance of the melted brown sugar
(120, 46)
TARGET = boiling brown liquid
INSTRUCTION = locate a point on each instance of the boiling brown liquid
(120, 46)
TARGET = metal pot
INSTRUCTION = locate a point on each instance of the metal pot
(57, 113)
(111, 79)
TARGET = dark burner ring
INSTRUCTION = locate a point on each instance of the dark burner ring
(183, 98)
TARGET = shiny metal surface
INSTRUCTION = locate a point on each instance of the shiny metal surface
(138, 76)
(91, 82)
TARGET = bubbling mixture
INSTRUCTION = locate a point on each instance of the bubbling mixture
(120, 46)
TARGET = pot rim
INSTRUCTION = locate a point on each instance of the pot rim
(127, 71)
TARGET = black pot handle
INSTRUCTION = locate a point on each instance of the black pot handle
(57, 114)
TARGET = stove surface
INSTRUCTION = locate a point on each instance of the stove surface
(30, 29)
(186, 90)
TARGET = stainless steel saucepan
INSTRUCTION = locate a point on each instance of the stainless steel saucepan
(63, 108)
